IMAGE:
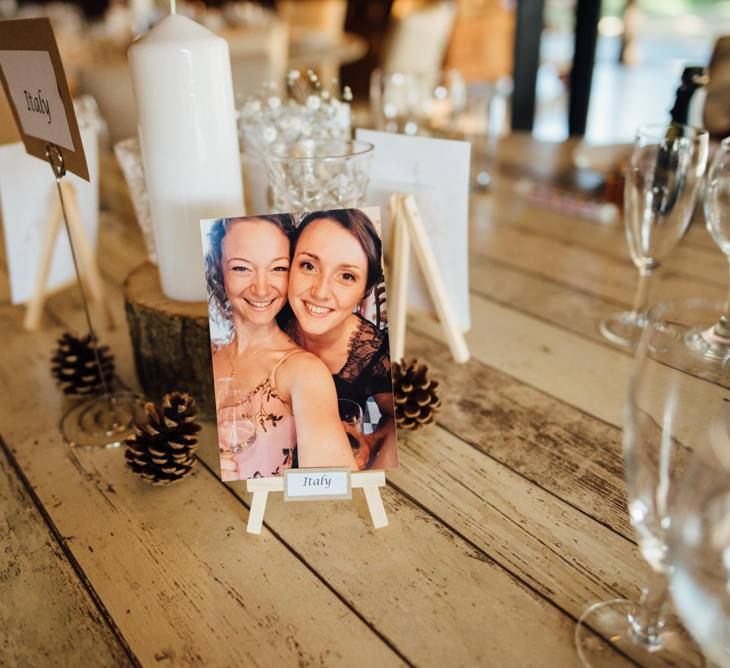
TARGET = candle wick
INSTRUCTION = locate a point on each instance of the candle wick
(173, 7)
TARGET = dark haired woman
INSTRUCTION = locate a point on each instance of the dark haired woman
(272, 396)
(336, 264)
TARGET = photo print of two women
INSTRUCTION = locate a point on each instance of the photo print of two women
(299, 335)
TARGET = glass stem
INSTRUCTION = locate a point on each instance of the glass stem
(641, 299)
(721, 330)
(648, 619)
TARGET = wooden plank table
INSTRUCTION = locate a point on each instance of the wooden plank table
(507, 517)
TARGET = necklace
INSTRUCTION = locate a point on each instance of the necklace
(232, 357)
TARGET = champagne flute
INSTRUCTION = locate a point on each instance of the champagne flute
(672, 395)
(351, 416)
(662, 179)
(700, 543)
(714, 341)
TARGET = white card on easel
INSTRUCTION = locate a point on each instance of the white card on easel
(436, 172)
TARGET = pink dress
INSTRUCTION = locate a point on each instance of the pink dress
(256, 428)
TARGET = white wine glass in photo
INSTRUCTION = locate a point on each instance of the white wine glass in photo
(351, 416)
(236, 428)
(675, 397)
(662, 179)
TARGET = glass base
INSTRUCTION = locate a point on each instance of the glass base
(712, 342)
(103, 421)
(604, 631)
(623, 329)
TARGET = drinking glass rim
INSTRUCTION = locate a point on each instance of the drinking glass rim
(658, 131)
(367, 147)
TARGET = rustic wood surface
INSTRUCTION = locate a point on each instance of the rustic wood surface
(507, 517)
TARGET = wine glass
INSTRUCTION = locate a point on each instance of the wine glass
(715, 340)
(351, 416)
(236, 427)
(700, 542)
(662, 178)
(672, 394)
(416, 102)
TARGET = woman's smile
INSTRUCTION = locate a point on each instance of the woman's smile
(260, 304)
(316, 310)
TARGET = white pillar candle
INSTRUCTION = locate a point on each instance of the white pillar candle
(187, 129)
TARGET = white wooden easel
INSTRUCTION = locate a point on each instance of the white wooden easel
(369, 481)
(87, 261)
(407, 229)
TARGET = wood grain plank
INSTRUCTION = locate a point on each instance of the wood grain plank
(559, 448)
(601, 275)
(544, 540)
(46, 612)
(581, 373)
(553, 301)
(504, 207)
(173, 566)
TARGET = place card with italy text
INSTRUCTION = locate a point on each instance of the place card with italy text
(34, 82)
(317, 484)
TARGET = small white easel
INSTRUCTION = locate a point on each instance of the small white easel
(407, 226)
(369, 481)
(88, 269)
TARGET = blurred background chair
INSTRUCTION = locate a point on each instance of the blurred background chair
(418, 36)
(482, 42)
(318, 22)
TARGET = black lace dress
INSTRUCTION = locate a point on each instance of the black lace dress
(367, 369)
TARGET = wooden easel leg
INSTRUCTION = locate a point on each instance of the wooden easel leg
(398, 279)
(34, 310)
(375, 506)
(87, 259)
(434, 280)
(256, 514)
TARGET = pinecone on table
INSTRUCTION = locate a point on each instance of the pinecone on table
(415, 394)
(162, 449)
(74, 366)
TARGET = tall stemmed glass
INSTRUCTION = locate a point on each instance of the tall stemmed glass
(662, 178)
(700, 543)
(715, 340)
(673, 394)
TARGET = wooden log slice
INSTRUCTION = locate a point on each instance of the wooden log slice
(171, 341)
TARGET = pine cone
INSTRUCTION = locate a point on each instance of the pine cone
(162, 449)
(74, 365)
(416, 396)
